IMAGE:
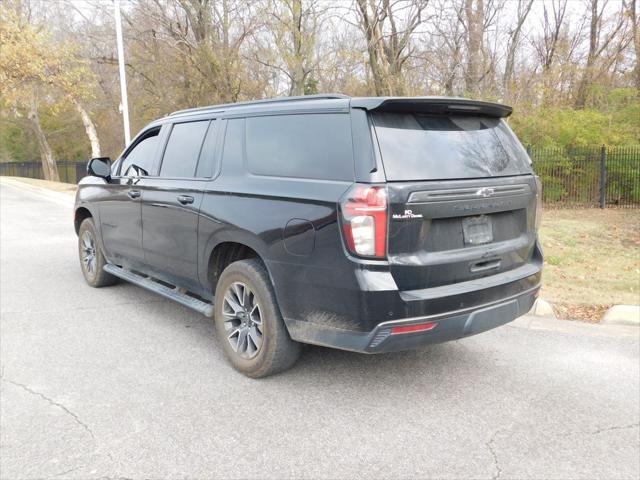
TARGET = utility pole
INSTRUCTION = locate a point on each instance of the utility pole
(123, 77)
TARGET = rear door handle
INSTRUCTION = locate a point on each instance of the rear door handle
(134, 193)
(185, 199)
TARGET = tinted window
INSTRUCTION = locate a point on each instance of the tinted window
(183, 149)
(208, 153)
(308, 146)
(419, 146)
(232, 150)
(141, 156)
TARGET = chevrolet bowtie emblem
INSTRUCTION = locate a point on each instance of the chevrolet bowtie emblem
(485, 192)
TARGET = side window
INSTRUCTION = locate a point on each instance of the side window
(207, 159)
(232, 150)
(308, 146)
(183, 149)
(139, 160)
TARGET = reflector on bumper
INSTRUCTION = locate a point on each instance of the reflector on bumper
(423, 327)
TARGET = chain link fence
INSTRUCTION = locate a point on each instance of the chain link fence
(571, 177)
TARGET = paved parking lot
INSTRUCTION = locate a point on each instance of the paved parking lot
(119, 383)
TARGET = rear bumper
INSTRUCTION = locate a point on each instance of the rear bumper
(449, 326)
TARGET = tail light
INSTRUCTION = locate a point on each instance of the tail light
(364, 220)
(538, 203)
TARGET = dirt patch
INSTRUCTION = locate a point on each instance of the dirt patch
(592, 260)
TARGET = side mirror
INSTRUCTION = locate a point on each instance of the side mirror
(100, 167)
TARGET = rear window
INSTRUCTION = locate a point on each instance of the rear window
(316, 146)
(417, 146)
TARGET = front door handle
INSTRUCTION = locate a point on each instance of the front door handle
(185, 199)
(134, 193)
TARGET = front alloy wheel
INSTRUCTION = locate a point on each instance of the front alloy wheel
(88, 253)
(92, 260)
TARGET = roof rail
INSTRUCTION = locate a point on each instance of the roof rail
(321, 96)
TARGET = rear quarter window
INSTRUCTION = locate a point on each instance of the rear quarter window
(315, 146)
(417, 146)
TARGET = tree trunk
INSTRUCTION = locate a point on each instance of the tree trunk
(297, 73)
(581, 97)
(49, 167)
(514, 41)
(636, 41)
(375, 48)
(90, 128)
(475, 34)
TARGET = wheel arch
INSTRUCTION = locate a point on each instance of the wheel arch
(80, 214)
(229, 247)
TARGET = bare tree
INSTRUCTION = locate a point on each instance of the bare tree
(446, 46)
(293, 26)
(600, 42)
(633, 13)
(477, 16)
(524, 7)
(388, 39)
(474, 21)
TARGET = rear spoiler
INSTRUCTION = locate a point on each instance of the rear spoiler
(450, 105)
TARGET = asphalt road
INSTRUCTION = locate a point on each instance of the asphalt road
(119, 383)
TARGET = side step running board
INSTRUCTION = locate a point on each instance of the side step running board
(171, 293)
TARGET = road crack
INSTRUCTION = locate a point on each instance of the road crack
(53, 403)
(608, 429)
(496, 463)
(599, 430)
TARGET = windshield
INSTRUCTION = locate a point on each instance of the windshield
(417, 146)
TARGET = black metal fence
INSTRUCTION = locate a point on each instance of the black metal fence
(70, 172)
(589, 176)
(580, 177)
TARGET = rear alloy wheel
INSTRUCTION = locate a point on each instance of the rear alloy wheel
(92, 260)
(248, 321)
(242, 320)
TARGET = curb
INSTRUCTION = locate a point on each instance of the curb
(622, 315)
(627, 315)
(531, 322)
(542, 308)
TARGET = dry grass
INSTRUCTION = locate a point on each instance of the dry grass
(55, 186)
(592, 260)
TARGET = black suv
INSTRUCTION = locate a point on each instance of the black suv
(365, 224)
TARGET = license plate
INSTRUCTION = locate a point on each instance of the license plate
(477, 230)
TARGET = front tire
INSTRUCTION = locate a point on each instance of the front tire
(249, 324)
(92, 260)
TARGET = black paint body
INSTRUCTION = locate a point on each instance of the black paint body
(326, 295)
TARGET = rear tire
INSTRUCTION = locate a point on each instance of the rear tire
(249, 324)
(92, 260)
